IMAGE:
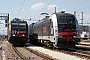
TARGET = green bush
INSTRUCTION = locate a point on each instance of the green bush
(85, 35)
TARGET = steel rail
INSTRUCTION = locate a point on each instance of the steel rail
(45, 56)
(23, 57)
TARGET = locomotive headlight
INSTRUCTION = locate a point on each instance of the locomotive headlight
(74, 36)
(56, 32)
(23, 35)
(13, 35)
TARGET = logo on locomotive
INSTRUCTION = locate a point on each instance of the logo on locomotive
(15, 32)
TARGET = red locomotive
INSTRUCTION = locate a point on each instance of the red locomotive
(18, 32)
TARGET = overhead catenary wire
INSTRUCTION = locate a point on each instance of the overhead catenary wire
(85, 3)
(58, 4)
(84, 8)
(42, 10)
(70, 8)
(61, 2)
(55, 6)
(20, 8)
(76, 5)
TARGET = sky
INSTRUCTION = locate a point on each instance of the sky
(26, 9)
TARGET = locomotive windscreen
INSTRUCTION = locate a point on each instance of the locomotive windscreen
(22, 25)
(14, 25)
(18, 25)
(66, 23)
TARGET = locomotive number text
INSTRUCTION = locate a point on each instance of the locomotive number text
(15, 32)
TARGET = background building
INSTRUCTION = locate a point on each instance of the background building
(84, 31)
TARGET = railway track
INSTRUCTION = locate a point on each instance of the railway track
(84, 44)
(28, 54)
(45, 56)
(41, 56)
(22, 56)
(81, 53)
(78, 53)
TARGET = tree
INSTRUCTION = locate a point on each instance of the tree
(85, 35)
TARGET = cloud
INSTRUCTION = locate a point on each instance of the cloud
(37, 6)
(51, 7)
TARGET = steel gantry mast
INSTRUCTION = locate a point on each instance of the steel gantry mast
(5, 16)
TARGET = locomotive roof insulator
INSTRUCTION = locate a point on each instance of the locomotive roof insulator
(47, 17)
(62, 11)
(16, 19)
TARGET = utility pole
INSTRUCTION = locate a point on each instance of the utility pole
(75, 13)
(82, 18)
(55, 9)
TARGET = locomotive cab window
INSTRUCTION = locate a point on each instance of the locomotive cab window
(66, 20)
(51, 23)
(66, 23)
(22, 25)
(14, 25)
